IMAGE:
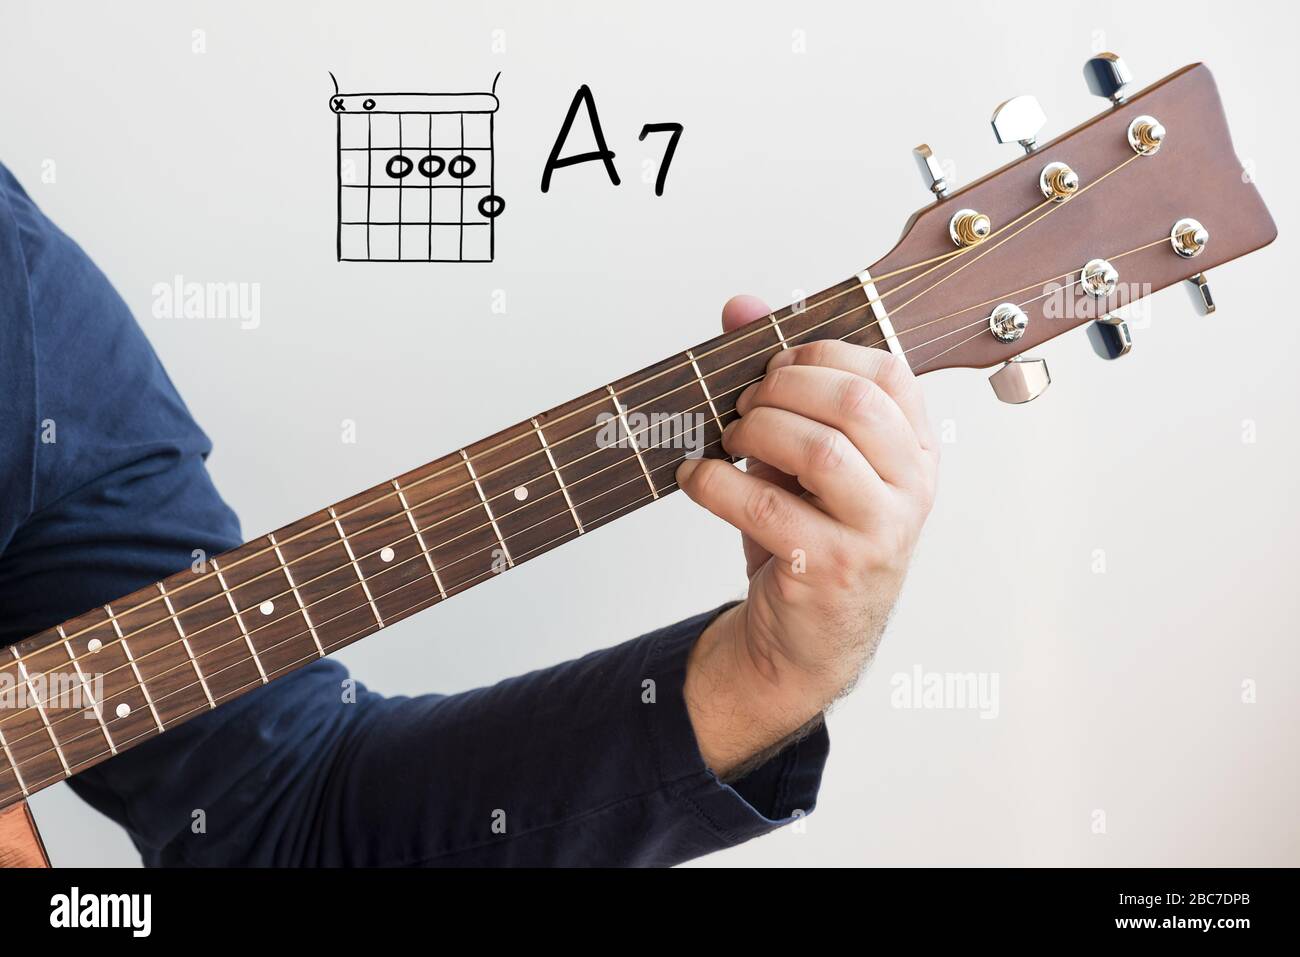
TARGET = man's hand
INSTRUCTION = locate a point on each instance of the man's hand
(841, 474)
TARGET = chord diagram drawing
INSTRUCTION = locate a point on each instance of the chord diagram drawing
(416, 176)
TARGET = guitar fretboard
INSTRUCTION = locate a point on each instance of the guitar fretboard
(118, 675)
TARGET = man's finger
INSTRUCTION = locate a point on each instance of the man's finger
(881, 367)
(826, 462)
(777, 520)
(853, 404)
(741, 311)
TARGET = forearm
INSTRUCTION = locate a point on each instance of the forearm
(743, 710)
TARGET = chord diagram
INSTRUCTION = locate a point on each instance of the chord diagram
(416, 176)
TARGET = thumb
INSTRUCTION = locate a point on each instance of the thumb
(741, 311)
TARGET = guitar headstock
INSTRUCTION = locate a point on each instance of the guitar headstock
(1145, 195)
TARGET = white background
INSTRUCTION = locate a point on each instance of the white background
(1119, 692)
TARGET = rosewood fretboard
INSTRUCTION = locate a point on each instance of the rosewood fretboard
(117, 675)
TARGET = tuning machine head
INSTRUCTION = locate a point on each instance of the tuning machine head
(1018, 120)
(1021, 380)
(1110, 337)
(1107, 75)
(931, 170)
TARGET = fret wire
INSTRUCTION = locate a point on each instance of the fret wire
(704, 388)
(510, 562)
(186, 643)
(336, 645)
(85, 687)
(298, 598)
(655, 495)
(347, 546)
(938, 260)
(40, 709)
(555, 470)
(835, 295)
(419, 538)
(779, 334)
(239, 620)
(622, 417)
(13, 765)
(135, 669)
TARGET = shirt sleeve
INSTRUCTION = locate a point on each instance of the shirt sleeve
(589, 762)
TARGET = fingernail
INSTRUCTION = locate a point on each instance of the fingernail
(685, 469)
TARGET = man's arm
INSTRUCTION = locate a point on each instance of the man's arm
(590, 762)
(842, 472)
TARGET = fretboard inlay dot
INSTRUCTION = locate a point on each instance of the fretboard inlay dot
(521, 493)
(266, 607)
(123, 710)
(94, 645)
(386, 554)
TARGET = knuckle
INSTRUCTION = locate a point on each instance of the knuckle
(763, 507)
(857, 397)
(891, 374)
(825, 450)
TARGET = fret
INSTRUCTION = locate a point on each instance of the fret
(288, 576)
(340, 609)
(85, 689)
(704, 387)
(487, 508)
(631, 438)
(276, 631)
(559, 479)
(446, 506)
(201, 600)
(347, 546)
(40, 709)
(524, 493)
(58, 696)
(589, 446)
(671, 407)
(389, 555)
(6, 787)
(99, 647)
(185, 643)
(419, 537)
(161, 654)
(776, 325)
(732, 362)
(239, 620)
(218, 630)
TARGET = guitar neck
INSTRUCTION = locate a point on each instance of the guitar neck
(122, 673)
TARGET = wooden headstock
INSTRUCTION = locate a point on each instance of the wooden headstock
(1123, 211)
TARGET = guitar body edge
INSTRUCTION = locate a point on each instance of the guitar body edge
(20, 842)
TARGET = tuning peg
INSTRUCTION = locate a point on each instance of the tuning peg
(1201, 294)
(1107, 75)
(931, 171)
(1110, 337)
(1018, 120)
(1021, 380)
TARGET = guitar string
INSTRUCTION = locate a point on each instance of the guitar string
(424, 553)
(469, 582)
(940, 260)
(689, 385)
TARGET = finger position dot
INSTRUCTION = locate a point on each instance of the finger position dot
(123, 710)
(266, 607)
(94, 645)
(386, 554)
(521, 493)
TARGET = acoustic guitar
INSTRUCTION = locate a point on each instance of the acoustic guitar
(1145, 195)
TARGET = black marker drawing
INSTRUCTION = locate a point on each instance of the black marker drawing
(416, 176)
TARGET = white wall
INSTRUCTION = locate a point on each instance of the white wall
(1118, 691)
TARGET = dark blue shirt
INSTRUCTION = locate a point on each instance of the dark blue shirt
(103, 489)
